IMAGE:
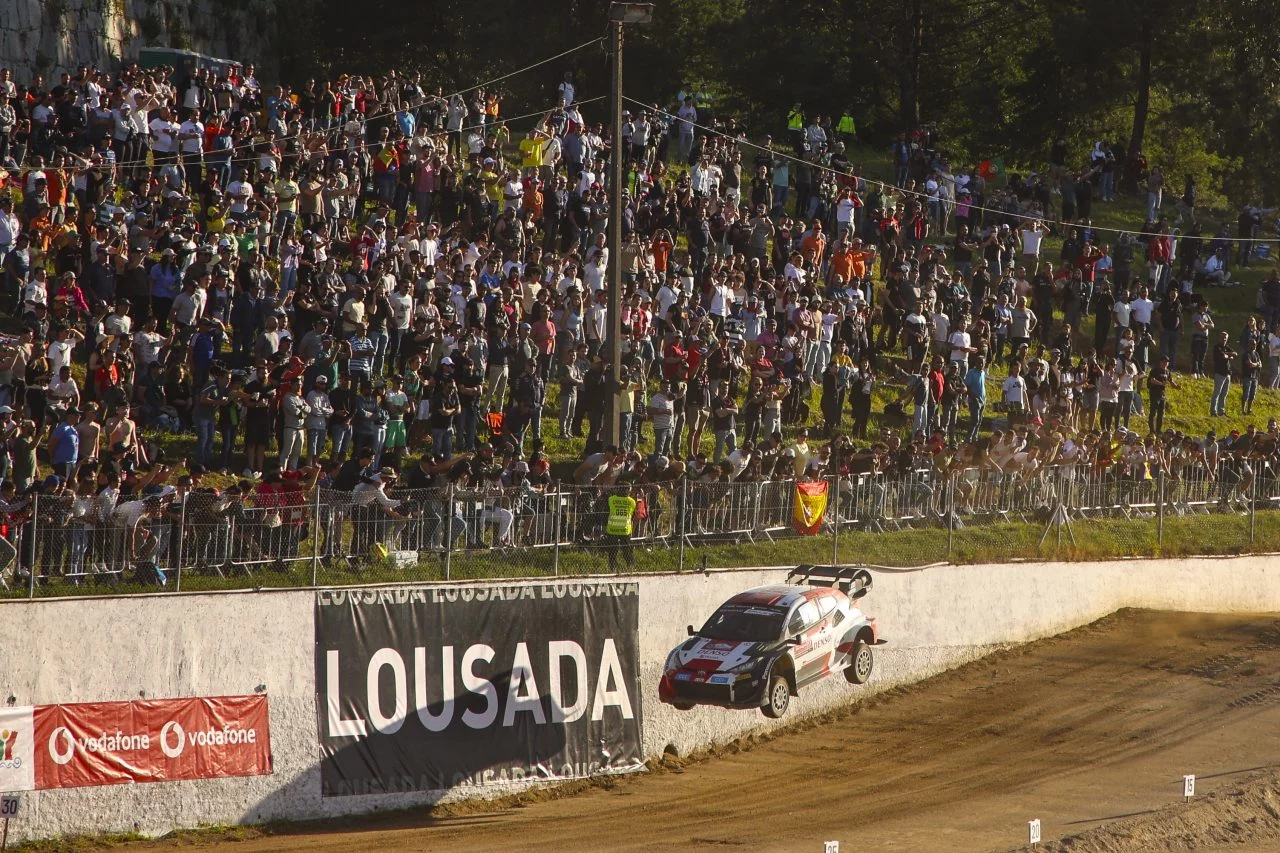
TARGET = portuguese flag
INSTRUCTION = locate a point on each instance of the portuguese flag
(991, 169)
(810, 507)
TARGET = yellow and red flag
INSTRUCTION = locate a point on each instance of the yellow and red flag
(810, 507)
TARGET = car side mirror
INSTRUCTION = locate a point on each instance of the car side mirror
(793, 641)
(692, 632)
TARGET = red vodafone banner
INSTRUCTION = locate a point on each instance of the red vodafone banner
(162, 740)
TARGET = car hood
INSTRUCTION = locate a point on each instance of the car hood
(703, 655)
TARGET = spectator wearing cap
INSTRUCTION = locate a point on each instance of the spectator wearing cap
(371, 508)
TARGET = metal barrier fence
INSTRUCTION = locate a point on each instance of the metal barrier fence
(202, 540)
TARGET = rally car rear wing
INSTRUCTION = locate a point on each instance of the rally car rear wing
(851, 580)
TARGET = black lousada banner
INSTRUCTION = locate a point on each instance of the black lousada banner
(429, 689)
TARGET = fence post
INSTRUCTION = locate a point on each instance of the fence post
(315, 540)
(448, 533)
(35, 527)
(182, 538)
(1160, 499)
(835, 520)
(557, 520)
(950, 508)
(684, 512)
(1253, 507)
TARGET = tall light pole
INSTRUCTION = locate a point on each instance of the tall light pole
(619, 14)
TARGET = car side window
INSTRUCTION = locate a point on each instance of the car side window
(796, 623)
(826, 604)
(805, 616)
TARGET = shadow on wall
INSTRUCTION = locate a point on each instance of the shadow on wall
(375, 773)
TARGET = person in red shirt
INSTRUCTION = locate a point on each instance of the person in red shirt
(1159, 252)
(673, 357)
(661, 247)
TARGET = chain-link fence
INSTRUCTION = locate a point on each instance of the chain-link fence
(63, 544)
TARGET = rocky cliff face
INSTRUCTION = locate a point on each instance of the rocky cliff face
(48, 36)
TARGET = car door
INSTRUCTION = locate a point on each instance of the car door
(812, 656)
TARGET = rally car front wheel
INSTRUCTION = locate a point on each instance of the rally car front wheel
(778, 699)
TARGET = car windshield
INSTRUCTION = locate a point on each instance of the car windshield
(749, 624)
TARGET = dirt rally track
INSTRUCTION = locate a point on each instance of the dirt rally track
(1091, 732)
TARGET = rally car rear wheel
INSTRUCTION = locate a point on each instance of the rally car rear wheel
(778, 699)
(859, 669)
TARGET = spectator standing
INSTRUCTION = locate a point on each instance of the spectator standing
(1223, 355)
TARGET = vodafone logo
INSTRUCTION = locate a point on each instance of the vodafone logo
(63, 744)
(174, 739)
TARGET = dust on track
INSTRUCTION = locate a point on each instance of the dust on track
(1090, 732)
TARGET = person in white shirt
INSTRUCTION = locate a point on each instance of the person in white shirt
(191, 143)
(1141, 308)
(845, 209)
(241, 193)
(586, 179)
(667, 295)
(1032, 236)
(164, 136)
(61, 348)
(512, 192)
(662, 413)
(63, 390)
(826, 340)
(1014, 389)
(9, 226)
(700, 177)
(960, 343)
(1216, 271)
(794, 270)
(593, 273)
(721, 298)
(147, 343)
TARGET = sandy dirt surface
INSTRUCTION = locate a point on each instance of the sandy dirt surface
(1090, 732)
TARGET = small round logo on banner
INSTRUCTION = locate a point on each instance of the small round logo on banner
(175, 731)
(62, 746)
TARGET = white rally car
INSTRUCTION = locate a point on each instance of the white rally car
(761, 646)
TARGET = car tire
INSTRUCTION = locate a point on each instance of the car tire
(682, 706)
(861, 662)
(777, 699)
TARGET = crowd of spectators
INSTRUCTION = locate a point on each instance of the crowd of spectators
(321, 282)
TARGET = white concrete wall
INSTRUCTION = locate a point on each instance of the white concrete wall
(232, 643)
(938, 618)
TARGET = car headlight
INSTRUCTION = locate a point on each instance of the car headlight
(746, 666)
(673, 662)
